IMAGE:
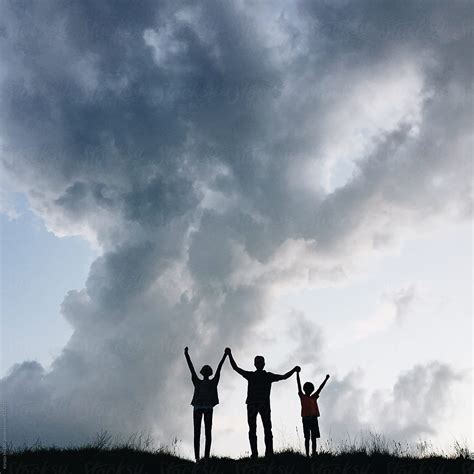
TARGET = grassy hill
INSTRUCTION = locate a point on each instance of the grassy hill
(126, 460)
(137, 455)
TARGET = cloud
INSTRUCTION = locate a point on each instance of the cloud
(419, 401)
(216, 154)
(403, 300)
(7, 206)
(419, 398)
(309, 338)
(392, 308)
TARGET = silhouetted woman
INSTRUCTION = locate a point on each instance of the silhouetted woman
(204, 400)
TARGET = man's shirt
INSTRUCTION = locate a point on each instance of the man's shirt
(259, 385)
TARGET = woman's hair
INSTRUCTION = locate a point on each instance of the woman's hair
(206, 371)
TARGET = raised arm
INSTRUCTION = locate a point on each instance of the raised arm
(194, 377)
(298, 381)
(318, 391)
(243, 373)
(278, 377)
(219, 367)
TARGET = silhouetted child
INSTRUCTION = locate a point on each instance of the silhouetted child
(310, 412)
(204, 400)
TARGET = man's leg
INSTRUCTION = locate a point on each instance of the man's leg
(208, 432)
(265, 413)
(197, 416)
(252, 411)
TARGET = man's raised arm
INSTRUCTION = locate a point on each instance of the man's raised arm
(298, 382)
(278, 377)
(243, 373)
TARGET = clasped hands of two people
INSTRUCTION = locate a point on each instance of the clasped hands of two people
(228, 352)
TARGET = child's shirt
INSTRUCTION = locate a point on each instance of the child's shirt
(309, 405)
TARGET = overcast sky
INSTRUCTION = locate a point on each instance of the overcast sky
(291, 179)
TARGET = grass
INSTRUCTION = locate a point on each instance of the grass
(138, 455)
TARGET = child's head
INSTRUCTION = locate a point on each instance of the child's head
(308, 388)
(206, 371)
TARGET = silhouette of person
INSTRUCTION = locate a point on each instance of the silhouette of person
(258, 400)
(309, 412)
(204, 400)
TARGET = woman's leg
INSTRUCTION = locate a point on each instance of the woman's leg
(208, 432)
(197, 417)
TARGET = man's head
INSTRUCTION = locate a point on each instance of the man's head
(308, 388)
(206, 371)
(259, 362)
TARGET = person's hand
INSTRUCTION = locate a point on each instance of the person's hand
(186, 350)
(227, 351)
(297, 369)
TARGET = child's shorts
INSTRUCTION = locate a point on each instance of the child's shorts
(310, 427)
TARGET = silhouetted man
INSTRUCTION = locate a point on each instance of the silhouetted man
(258, 400)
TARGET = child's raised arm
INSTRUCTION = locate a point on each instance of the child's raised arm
(318, 391)
(298, 381)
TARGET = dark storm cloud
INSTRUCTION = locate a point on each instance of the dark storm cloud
(189, 142)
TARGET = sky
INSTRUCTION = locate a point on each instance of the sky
(287, 179)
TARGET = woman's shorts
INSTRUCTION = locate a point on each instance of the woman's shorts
(310, 427)
(202, 409)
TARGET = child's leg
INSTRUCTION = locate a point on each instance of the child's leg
(306, 433)
(197, 417)
(313, 443)
(314, 435)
